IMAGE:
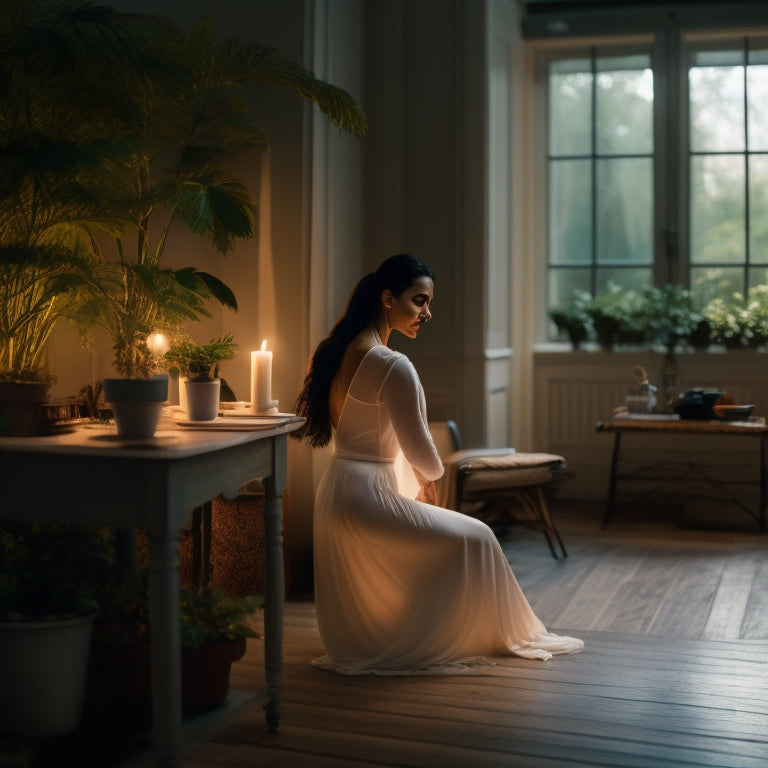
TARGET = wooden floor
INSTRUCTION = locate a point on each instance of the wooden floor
(674, 672)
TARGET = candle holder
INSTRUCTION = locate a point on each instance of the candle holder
(260, 410)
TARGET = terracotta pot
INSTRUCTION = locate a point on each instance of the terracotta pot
(119, 681)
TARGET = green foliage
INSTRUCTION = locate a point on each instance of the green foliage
(671, 314)
(574, 320)
(668, 317)
(738, 321)
(200, 361)
(114, 128)
(616, 316)
(208, 614)
(212, 614)
(49, 570)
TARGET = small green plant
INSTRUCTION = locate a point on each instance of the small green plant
(199, 362)
(207, 614)
(616, 316)
(50, 570)
(211, 614)
(573, 320)
(672, 317)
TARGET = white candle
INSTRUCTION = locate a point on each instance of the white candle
(261, 379)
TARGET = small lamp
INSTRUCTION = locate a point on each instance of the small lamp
(157, 344)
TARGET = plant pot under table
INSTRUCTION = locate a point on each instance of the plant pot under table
(43, 669)
(119, 681)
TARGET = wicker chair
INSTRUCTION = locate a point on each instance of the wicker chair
(497, 485)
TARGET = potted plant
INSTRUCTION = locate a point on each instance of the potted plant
(616, 316)
(133, 126)
(671, 315)
(51, 583)
(215, 626)
(573, 320)
(198, 364)
(728, 322)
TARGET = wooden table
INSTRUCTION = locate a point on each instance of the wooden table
(620, 425)
(89, 476)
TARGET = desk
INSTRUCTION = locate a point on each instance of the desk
(90, 477)
(620, 425)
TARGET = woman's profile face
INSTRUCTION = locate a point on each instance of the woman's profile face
(410, 310)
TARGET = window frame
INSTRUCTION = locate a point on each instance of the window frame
(670, 46)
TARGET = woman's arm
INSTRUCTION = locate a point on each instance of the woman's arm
(403, 396)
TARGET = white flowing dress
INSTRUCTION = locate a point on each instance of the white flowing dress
(404, 587)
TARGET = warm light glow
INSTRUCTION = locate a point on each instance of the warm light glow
(263, 345)
(158, 344)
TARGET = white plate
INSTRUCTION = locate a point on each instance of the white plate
(246, 414)
(228, 405)
(263, 422)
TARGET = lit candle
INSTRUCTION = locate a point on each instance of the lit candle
(261, 379)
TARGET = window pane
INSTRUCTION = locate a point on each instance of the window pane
(717, 209)
(758, 209)
(757, 276)
(624, 112)
(624, 210)
(716, 109)
(630, 279)
(570, 108)
(708, 283)
(718, 58)
(757, 107)
(563, 283)
(570, 219)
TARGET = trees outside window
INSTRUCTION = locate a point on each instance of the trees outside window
(656, 165)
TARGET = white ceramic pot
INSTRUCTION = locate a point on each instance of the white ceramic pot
(136, 404)
(202, 399)
(44, 667)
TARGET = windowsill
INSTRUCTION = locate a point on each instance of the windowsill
(591, 348)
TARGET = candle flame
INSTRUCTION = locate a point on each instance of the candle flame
(263, 345)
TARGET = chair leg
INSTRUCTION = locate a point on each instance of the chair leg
(547, 519)
(533, 500)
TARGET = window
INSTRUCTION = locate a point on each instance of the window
(728, 161)
(600, 173)
(657, 165)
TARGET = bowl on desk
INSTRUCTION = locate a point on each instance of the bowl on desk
(731, 412)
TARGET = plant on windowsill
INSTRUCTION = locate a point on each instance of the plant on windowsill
(673, 318)
(616, 316)
(573, 320)
(740, 324)
(198, 364)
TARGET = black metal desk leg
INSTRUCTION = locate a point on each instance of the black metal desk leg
(612, 480)
(763, 481)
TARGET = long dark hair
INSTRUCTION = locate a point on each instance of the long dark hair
(396, 274)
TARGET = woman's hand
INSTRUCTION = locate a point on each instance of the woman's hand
(427, 493)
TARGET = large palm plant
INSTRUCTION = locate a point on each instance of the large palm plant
(116, 127)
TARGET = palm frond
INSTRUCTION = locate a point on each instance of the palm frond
(217, 205)
(252, 62)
